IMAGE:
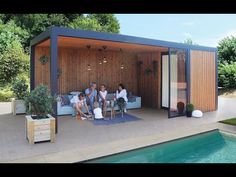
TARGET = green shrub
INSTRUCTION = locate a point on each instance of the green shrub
(189, 107)
(227, 75)
(12, 62)
(6, 94)
(20, 88)
(39, 102)
(10, 32)
(227, 50)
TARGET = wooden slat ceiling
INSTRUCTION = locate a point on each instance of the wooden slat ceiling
(98, 44)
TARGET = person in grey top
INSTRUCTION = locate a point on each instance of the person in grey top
(91, 95)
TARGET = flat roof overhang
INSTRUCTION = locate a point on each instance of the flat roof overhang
(82, 43)
(109, 37)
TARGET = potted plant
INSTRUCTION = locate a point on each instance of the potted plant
(180, 107)
(148, 71)
(189, 109)
(20, 90)
(40, 125)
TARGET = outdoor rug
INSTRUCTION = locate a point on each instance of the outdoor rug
(116, 120)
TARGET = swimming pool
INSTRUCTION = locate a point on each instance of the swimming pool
(210, 147)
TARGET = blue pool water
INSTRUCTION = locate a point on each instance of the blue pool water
(210, 147)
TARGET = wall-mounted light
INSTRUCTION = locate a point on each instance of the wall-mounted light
(89, 67)
(88, 46)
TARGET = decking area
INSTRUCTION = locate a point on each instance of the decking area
(81, 140)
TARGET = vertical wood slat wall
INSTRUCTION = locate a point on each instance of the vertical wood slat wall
(75, 76)
(42, 72)
(149, 85)
(203, 80)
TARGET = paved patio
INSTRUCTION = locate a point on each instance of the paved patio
(81, 140)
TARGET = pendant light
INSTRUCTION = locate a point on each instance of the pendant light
(122, 64)
(100, 60)
(88, 66)
(104, 57)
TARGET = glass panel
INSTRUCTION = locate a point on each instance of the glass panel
(165, 81)
(178, 84)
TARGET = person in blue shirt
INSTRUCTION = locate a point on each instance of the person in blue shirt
(91, 95)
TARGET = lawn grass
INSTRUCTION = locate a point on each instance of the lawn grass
(231, 121)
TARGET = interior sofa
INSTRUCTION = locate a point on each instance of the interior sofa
(64, 107)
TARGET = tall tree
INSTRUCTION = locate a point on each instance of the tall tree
(13, 59)
(227, 50)
(34, 24)
(108, 22)
(85, 24)
(10, 32)
(189, 41)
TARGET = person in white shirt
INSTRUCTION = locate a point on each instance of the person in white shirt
(122, 93)
(102, 99)
(79, 102)
(97, 111)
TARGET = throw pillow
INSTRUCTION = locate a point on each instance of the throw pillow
(132, 99)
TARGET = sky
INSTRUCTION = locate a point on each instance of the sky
(203, 29)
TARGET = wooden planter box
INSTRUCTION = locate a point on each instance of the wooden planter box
(38, 130)
(18, 106)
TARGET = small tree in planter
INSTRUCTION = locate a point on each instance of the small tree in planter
(20, 90)
(189, 109)
(40, 125)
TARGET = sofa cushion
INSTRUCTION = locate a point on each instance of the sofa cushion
(110, 96)
(70, 96)
(131, 98)
(65, 100)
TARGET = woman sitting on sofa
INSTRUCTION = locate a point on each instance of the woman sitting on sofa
(122, 93)
(78, 103)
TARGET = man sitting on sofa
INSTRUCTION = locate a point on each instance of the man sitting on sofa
(91, 95)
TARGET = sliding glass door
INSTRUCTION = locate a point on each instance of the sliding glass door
(177, 82)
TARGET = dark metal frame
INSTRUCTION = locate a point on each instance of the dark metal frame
(32, 67)
(188, 75)
(67, 32)
(169, 83)
(53, 33)
(53, 72)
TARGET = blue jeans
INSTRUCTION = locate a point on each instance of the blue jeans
(90, 103)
